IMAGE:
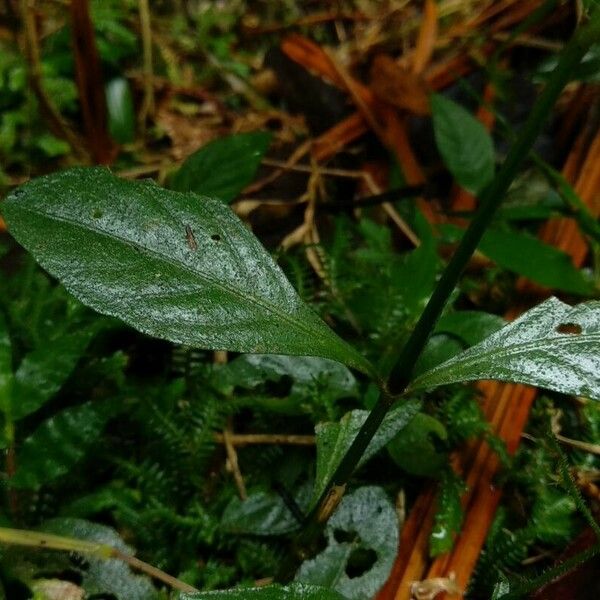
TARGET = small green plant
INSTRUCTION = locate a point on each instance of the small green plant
(180, 266)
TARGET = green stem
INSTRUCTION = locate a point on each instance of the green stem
(489, 202)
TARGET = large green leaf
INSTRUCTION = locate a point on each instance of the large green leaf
(464, 143)
(224, 167)
(43, 371)
(176, 266)
(553, 345)
(334, 439)
(58, 444)
(363, 530)
(293, 591)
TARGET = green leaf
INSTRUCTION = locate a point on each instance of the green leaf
(43, 371)
(413, 448)
(104, 577)
(224, 167)
(361, 534)
(528, 256)
(176, 266)
(464, 143)
(293, 591)
(121, 112)
(308, 373)
(553, 345)
(334, 439)
(262, 513)
(439, 348)
(471, 326)
(449, 514)
(6, 373)
(545, 264)
(58, 444)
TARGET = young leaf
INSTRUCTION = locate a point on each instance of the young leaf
(334, 439)
(293, 591)
(176, 266)
(224, 167)
(58, 443)
(464, 143)
(364, 529)
(553, 345)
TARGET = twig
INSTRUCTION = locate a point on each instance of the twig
(147, 109)
(232, 461)
(49, 541)
(250, 439)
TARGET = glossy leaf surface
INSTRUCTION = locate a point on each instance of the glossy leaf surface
(293, 591)
(364, 529)
(172, 265)
(224, 167)
(553, 345)
(334, 439)
(464, 143)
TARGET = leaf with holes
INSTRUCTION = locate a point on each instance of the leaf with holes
(224, 167)
(362, 540)
(553, 345)
(293, 591)
(177, 266)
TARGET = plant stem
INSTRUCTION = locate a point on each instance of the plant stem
(489, 202)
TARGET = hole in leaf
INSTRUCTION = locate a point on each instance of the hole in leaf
(215, 237)
(569, 328)
(342, 536)
(360, 561)
(97, 213)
